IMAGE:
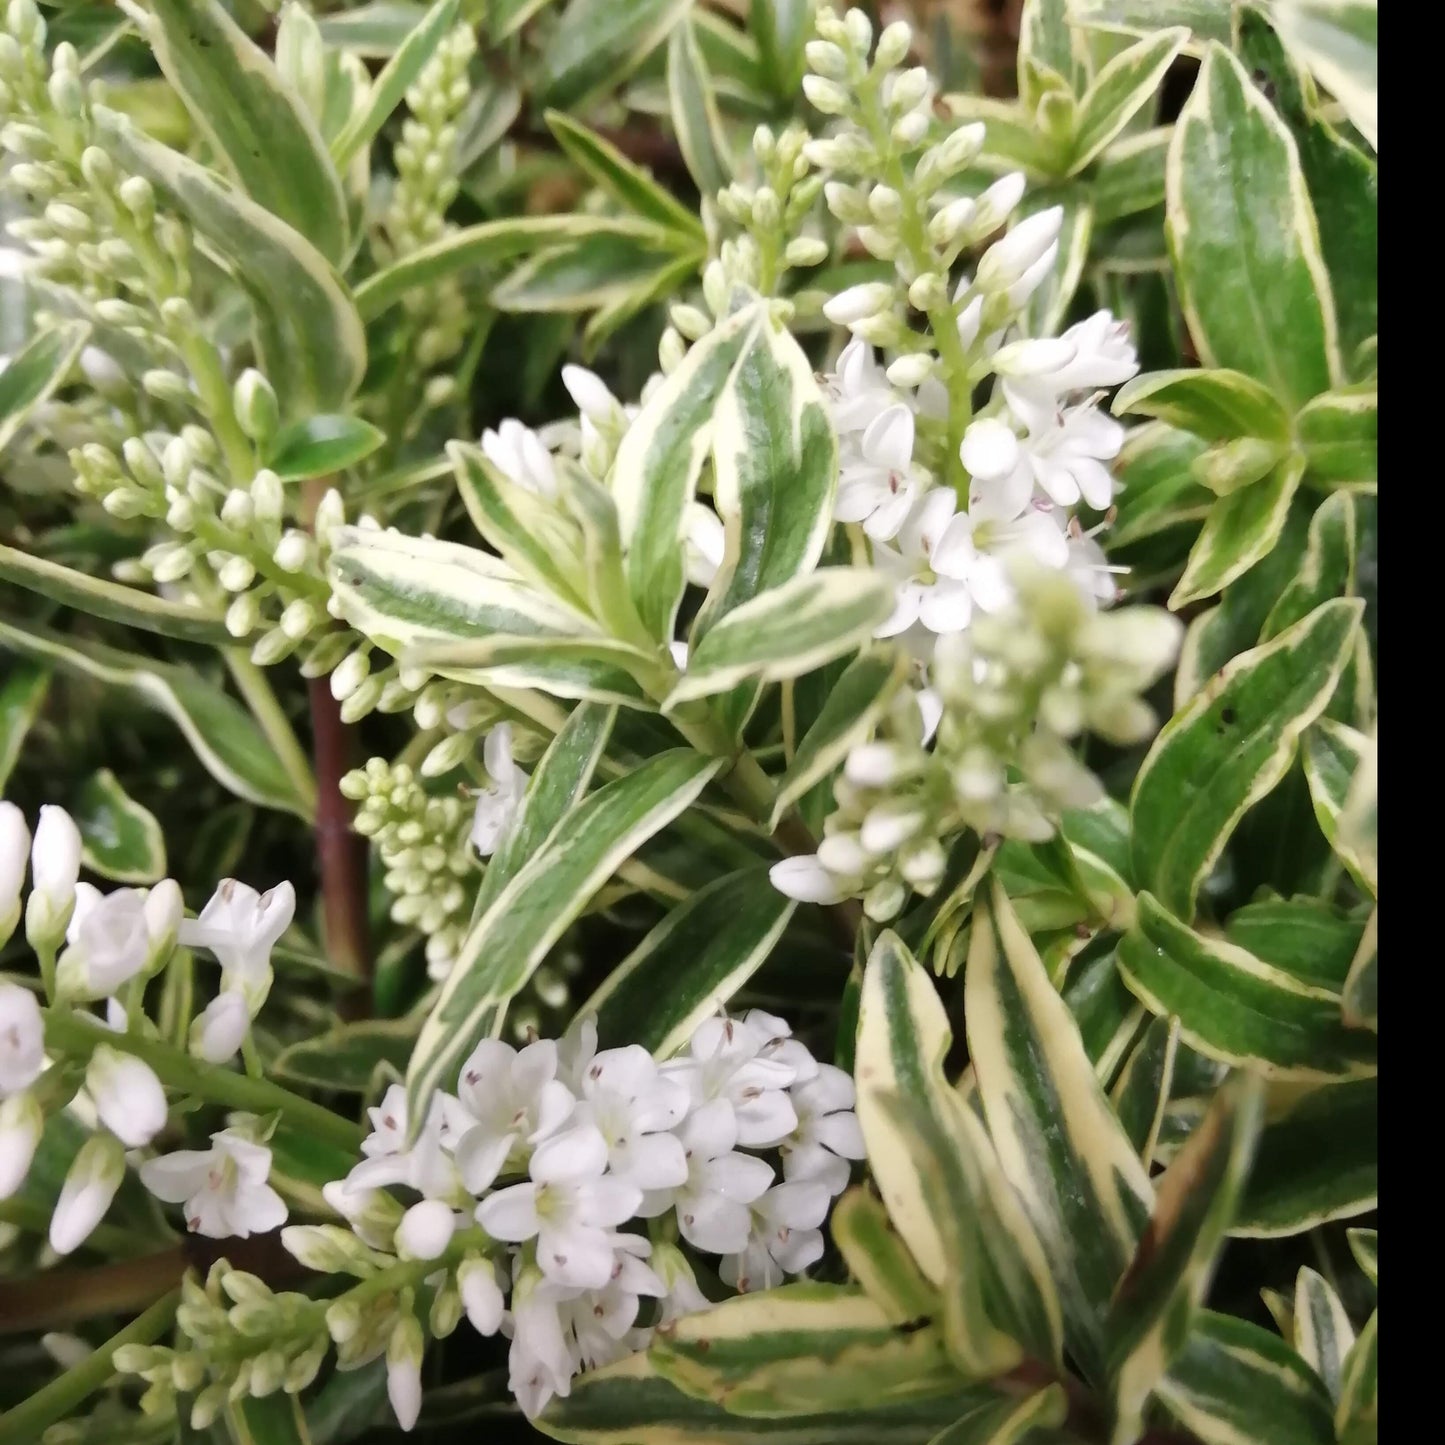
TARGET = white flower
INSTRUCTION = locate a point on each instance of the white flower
(427, 1166)
(712, 1204)
(876, 482)
(520, 454)
(828, 1133)
(165, 911)
(1066, 448)
(779, 1045)
(404, 1350)
(540, 1363)
(704, 544)
(933, 585)
(425, 1230)
(858, 303)
(726, 1062)
(481, 1294)
(223, 1188)
(14, 851)
(1103, 355)
(54, 868)
(21, 1124)
(128, 1097)
(90, 1184)
(372, 1213)
(497, 805)
(806, 879)
(109, 942)
(510, 1098)
(1030, 245)
(785, 1237)
(858, 390)
(220, 1028)
(633, 1106)
(241, 926)
(590, 395)
(22, 1039)
(598, 1324)
(1091, 571)
(568, 1206)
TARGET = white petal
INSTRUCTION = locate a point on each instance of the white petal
(578, 1257)
(990, 449)
(714, 1225)
(766, 1119)
(175, 1177)
(947, 606)
(888, 439)
(608, 1201)
(903, 616)
(653, 1161)
(510, 1214)
(805, 879)
(567, 1158)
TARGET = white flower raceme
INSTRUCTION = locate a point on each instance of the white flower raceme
(568, 1206)
(21, 1123)
(240, 927)
(509, 1099)
(90, 1184)
(22, 1039)
(520, 454)
(223, 1188)
(498, 804)
(14, 852)
(128, 1097)
(54, 869)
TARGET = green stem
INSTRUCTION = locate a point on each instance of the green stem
(78, 1034)
(29, 1419)
(266, 708)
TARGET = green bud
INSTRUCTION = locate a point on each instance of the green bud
(272, 647)
(138, 197)
(268, 497)
(893, 46)
(167, 386)
(256, 406)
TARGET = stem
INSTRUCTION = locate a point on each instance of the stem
(29, 1419)
(78, 1034)
(266, 708)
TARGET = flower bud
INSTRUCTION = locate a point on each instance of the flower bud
(859, 302)
(1007, 260)
(166, 386)
(90, 1185)
(128, 1097)
(54, 870)
(907, 372)
(256, 406)
(827, 95)
(806, 251)
(350, 673)
(425, 1230)
(14, 851)
(242, 615)
(21, 1124)
(236, 573)
(164, 909)
(481, 1295)
(267, 496)
(403, 1370)
(220, 1029)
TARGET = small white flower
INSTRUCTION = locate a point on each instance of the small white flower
(1103, 355)
(54, 868)
(109, 942)
(876, 482)
(223, 1188)
(779, 1045)
(220, 1028)
(1091, 570)
(858, 391)
(427, 1166)
(22, 1039)
(704, 544)
(1066, 448)
(425, 1230)
(633, 1106)
(828, 1134)
(520, 454)
(568, 1206)
(21, 1124)
(128, 1097)
(726, 1061)
(933, 582)
(90, 1184)
(712, 1205)
(510, 1099)
(806, 879)
(240, 927)
(540, 1363)
(785, 1237)
(498, 804)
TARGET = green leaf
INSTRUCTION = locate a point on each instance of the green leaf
(1129, 176)
(537, 906)
(658, 462)
(223, 734)
(1338, 40)
(270, 1420)
(1228, 747)
(489, 243)
(1161, 1292)
(320, 445)
(111, 600)
(1141, 1092)
(579, 275)
(1212, 403)
(725, 931)
(1246, 247)
(1241, 528)
(787, 631)
(1048, 38)
(1339, 433)
(252, 118)
(598, 43)
(558, 784)
(800, 1350)
(120, 839)
(34, 373)
(22, 695)
(1333, 755)
(1158, 490)
(1322, 1331)
(626, 182)
(1365, 1246)
(1304, 936)
(1360, 1001)
(1328, 568)
(1008, 1422)
(1105, 1013)
(345, 1058)
(854, 706)
(775, 470)
(695, 118)
(309, 338)
(396, 77)
(1237, 1384)
(1119, 91)
(782, 28)
(1357, 834)
(629, 1403)
(1235, 1008)
(879, 1260)
(1205, 19)
(1356, 1414)
(1059, 1142)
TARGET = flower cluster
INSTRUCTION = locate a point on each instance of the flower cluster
(102, 947)
(555, 1147)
